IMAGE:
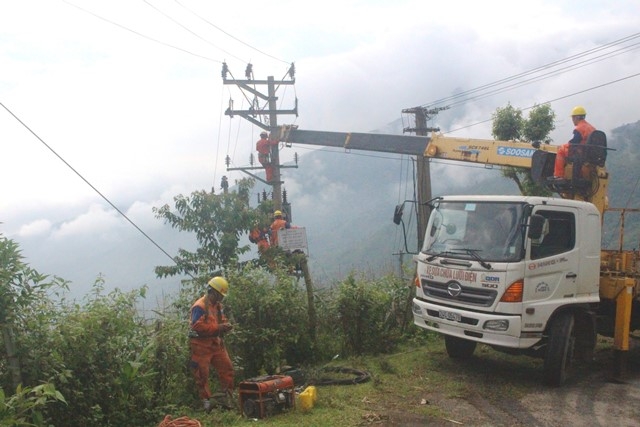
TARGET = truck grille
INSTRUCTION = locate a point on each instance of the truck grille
(473, 296)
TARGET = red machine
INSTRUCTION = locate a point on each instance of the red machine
(264, 396)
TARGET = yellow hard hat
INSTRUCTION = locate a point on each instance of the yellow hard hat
(277, 213)
(578, 111)
(220, 284)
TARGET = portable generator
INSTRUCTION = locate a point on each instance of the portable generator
(267, 395)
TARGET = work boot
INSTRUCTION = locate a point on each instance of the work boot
(223, 401)
(206, 405)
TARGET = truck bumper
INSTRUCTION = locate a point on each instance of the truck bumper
(474, 326)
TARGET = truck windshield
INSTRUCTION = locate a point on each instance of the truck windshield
(490, 230)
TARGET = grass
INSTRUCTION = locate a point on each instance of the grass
(417, 384)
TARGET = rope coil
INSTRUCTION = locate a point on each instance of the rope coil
(179, 422)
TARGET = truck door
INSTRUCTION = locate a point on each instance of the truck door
(553, 260)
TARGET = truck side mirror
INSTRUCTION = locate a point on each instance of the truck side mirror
(536, 227)
(397, 214)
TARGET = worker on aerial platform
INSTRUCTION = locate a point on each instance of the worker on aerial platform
(581, 133)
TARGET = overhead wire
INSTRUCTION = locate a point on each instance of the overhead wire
(140, 34)
(105, 198)
(228, 34)
(541, 77)
(552, 100)
(534, 70)
(237, 138)
(190, 31)
(215, 167)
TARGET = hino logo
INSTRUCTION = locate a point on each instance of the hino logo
(454, 289)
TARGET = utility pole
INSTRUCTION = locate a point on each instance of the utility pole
(268, 116)
(423, 171)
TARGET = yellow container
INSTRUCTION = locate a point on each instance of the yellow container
(308, 398)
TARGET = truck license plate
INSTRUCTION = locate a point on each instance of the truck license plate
(449, 315)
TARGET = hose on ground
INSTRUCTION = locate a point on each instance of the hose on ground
(359, 376)
(179, 422)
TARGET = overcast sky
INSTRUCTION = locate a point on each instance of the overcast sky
(129, 92)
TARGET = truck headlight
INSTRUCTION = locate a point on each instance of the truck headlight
(496, 325)
(416, 309)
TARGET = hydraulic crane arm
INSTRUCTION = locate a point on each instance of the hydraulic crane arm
(489, 152)
(588, 184)
(498, 153)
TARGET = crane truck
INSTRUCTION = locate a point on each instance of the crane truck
(524, 274)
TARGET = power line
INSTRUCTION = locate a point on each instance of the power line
(192, 32)
(89, 184)
(186, 29)
(538, 69)
(230, 35)
(548, 75)
(142, 35)
(554, 100)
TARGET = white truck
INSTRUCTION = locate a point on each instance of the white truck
(522, 274)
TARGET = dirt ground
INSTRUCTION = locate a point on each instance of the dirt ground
(592, 397)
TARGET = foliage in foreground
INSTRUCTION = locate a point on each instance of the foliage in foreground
(99, 362)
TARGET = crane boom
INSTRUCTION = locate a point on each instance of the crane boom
(398, 144)
(490, 152)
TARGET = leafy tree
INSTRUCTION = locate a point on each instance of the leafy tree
(21, 287)
(218, 221)
(539, 124)
(508, 124)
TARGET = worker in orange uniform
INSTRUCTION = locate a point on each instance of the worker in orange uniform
(581, 132)
(208, 324)
(263, 146)
(260, 236)
(278, 224)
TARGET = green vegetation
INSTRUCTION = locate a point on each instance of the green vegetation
(99, 362)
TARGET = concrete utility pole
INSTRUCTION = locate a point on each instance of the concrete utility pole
(423, 170)
(270, 124)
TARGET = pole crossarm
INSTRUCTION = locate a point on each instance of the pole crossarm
(246, 113)
(258, 82)
(398, 144)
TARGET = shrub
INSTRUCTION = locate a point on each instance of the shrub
(271, 323)
(371, 314)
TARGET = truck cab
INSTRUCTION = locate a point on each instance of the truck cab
(504, 270)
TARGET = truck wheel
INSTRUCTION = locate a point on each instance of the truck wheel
(559, 356)
(459, 348)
